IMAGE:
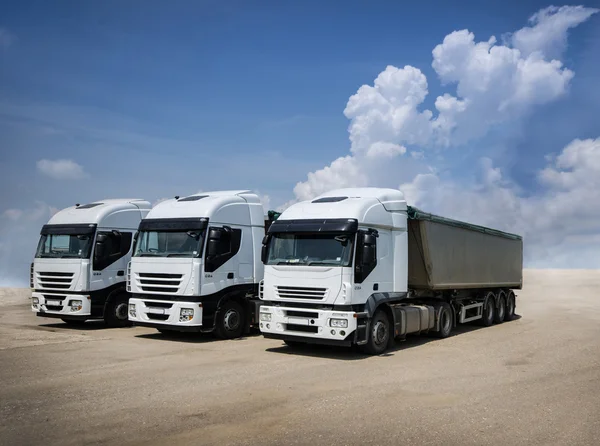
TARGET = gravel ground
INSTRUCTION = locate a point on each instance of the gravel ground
(532, 381)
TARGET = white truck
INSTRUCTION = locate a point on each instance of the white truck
(196, 265)
(79, 268)
(360, 267)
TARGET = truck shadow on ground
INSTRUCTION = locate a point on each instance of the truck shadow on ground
(353, 353)
(197, 338)
(87, 326)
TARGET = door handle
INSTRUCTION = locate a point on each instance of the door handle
(375, 286)
(230, 276)
(120, 273)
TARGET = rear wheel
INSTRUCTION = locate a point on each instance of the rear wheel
(230, 320)
(510, 307)
(116, 311)
(379, 334)
(500, 309)
(488, 310)
(445, 321)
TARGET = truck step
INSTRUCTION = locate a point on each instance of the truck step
(478, 307)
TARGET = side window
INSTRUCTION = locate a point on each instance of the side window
(366, 255)
(222, 244)
(110, 247)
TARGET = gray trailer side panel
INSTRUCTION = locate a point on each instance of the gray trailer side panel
(445, 254)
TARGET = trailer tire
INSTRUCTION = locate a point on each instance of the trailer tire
(489, 310)
(445, 321)
(500, 312)
(231, 320)
(116, 311)
(378, 336)
(510, 306)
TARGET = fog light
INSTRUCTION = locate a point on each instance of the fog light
(186, 314)
(340, 323)
(266, 317)
(35, 302)
(76, 305)
(332, 332)
(342, 333)
(132, 311)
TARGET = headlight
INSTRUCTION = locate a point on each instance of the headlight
(340, 323)
(76, 305)
(186, 314)
(265, 317)
(132, 312)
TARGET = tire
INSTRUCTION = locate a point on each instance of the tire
(379, 334)
(489, 310)
(116, 313)
(73, 322)
(231, 320)
(510, 307)
(445, 321)
(500, 312)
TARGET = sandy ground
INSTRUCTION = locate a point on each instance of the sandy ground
(532, 381)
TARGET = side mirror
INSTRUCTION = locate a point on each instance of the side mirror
(265, 240)
(368, 255)
(214, 234)
(100, 249)
(263, 253)
(369, 240)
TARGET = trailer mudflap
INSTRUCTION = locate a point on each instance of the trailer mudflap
(412, 319)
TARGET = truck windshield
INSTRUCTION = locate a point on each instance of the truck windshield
(310, 249)
(169, 244)
(64, 246)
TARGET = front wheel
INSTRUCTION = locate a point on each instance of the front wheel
(230, 320)
(379, 334)
(116, 312)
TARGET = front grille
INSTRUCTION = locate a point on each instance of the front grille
(306, 314)
(159, 304)
(157, 317)
(303, 328)
(55, 280)
(289, 292)
(159, 282)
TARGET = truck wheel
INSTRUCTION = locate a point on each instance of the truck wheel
(488, 310)
(500, 310)
(73, 322)
(445, 321)
(510, 307)
(379, 334)
(116, 311)
(230, 320)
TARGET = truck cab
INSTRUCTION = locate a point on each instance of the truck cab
(359, 266)
(79, 268)
(196, 264)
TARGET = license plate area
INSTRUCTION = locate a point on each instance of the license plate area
(53, 302)
(298, 321)
(153, 310)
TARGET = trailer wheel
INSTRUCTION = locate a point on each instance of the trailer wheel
(510, 307)
(230, 320)
(445, 321)
(489, 310)
(379, 334)
(116, 311)
(500, 309)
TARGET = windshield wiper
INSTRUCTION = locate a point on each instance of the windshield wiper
(322, 263)
(182, 254)
(149, 254)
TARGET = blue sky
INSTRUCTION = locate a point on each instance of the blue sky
(154, 99)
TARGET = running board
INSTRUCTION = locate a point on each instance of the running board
(462, 318)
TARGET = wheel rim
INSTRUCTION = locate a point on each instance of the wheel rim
(121, 311)
(379, 333)
(231, 320)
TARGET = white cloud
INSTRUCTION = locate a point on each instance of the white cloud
(62, 169)
(548, 33)
(558, 225)
(13, 214)
(6, 38)
(494, 84)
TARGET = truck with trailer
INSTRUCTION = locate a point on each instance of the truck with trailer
(359, 267)
(78, 272)
(196, 265)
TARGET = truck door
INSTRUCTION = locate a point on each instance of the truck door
(221, 265)
(110, 258)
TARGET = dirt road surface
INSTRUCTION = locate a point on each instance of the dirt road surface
(532, 381)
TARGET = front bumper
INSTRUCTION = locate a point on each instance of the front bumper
(307, 325)
(59, 305)
(164, 314)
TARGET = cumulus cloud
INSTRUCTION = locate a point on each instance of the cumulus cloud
(548, 33)
(562, 220)
(62, 169)
(494, 84)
